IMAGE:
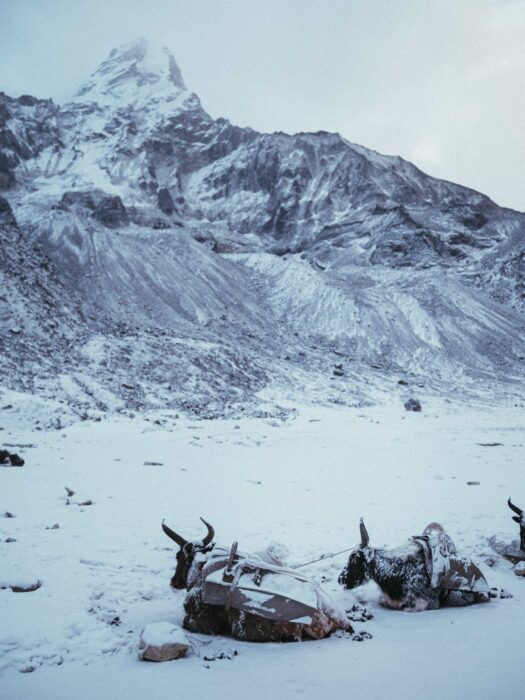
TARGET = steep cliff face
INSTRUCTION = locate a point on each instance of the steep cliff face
(160, 217)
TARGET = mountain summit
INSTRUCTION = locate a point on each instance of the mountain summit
(136, 70)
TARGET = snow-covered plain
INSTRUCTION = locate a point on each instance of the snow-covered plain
(304, 481)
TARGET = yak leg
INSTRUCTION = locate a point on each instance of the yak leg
(458, 599)
(252, 628)
(412, 601)
(203, 617)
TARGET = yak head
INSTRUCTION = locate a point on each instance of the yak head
(190, 557)
(356, 571)
(519, 518)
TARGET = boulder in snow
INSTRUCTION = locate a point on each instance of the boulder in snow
(10, 459)
(519, 569)
(19, 582)
(413, 405)
(162, 641)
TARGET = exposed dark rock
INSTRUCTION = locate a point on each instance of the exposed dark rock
(413, 405)
(10, 459)
(111, 212)
(27, 101)
(165, 201)
(108, 210)
(89, 199)
(7, 218)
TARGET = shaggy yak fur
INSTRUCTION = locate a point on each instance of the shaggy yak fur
(402, 577)
(216, 619)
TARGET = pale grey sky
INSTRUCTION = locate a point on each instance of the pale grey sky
(439, 82)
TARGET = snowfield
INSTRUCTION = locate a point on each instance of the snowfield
(304, 481)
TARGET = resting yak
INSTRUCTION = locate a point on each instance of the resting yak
(247, 597)
(423, 574)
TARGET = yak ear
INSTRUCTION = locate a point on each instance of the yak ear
(516, 518)
(365, 539)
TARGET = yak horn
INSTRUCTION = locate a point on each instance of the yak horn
(173, 535)
(365, 539)
(211, 534)
(517, 510)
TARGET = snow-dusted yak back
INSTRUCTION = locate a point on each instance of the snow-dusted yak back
(423, 574)
(519, 518)
(248, 597)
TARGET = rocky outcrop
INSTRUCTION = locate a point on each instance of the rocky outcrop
(165, 201)
(108, 210)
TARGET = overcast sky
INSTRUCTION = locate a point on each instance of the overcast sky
(439, 82)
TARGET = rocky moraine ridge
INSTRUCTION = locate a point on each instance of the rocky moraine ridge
(155, 256)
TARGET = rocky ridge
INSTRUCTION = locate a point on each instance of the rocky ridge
(244, 258)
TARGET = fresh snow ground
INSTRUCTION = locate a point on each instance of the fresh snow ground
(305, 482)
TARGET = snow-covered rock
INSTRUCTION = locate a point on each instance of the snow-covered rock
(162, 641)
(18, 581)
(519, 569)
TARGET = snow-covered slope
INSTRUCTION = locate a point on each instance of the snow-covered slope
(138, 196)
(105, 568)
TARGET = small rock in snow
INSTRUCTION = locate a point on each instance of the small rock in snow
(358, 613)
(519, 569)
(229, 654)
(413, 405)
(500, 593)
(19, 582)
(162, 641)
(361, 636)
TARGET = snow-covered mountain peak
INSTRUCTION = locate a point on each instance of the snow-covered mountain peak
(135, 72)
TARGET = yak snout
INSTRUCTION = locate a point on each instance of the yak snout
(179, 579)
